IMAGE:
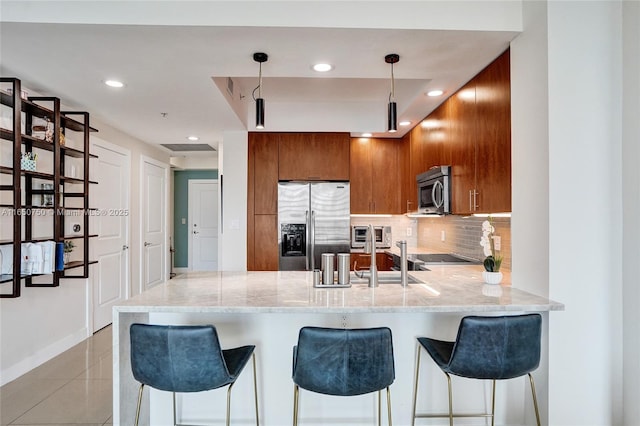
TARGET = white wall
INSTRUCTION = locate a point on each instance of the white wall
(530, 163)
(631, 210)
(201, 161)
(585, 228)
(234, 168)
(40, 324)
(568, 147)
(458, 15)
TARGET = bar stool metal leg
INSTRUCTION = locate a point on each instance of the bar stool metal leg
(380, 407)
(255, 387)
(450, 400)
(493, 403)
(175, 421)
(228, 403)
(389, 405)
(415, 385)
(139, 403)
(535, 400)
(296, 393)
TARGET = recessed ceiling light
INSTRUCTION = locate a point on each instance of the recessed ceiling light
(435, 92)
(193, 138)
(366, 135)
(404, 123)
(322, 67)
(114, 83)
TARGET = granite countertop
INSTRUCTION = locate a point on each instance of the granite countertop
(443, 289)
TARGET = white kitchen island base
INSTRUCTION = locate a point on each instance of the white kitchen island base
(268, 309)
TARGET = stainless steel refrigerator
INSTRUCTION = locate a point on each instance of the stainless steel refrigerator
(313, 218)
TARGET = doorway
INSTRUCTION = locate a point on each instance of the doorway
(182, 216)
(203, 225)
(111, 283)
(153, 226)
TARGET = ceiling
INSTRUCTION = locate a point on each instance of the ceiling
(176, 76)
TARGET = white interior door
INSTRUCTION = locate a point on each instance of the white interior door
(111, 197)
(154, 227)
(203, 225)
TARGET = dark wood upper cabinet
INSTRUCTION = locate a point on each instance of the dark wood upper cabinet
(361, 176)
(493, 137)
(472, 131)
(435, 138)
(386, 176)
(375, 176)
(408, 187)
(314, 156)
(264, 153)
(462, 143)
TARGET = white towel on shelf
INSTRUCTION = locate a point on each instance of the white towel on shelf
(25, 263)
(6, 266)
(35, 259)
(48, 256)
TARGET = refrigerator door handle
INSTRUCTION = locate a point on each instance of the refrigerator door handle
(313, 239)
(306, 221)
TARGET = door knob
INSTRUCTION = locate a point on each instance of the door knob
(125, 247)
(146, 244)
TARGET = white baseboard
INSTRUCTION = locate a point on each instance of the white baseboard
(42, 356)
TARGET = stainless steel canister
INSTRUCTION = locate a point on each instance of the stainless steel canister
(344, 260)
(316, 277)
(327, 268)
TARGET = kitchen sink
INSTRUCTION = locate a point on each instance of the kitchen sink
(384, 277)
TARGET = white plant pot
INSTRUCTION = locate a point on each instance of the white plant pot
(492, 277)
(491, 290)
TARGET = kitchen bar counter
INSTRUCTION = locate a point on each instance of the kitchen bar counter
(444, 289)
(267, 309)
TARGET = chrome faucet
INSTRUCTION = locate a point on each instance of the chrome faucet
(402, 245)
(370, 247)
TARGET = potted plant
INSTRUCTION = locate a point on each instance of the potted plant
(493, 260)
(68, 248)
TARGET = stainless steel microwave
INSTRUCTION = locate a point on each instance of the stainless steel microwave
(359, 236)
(434, 190)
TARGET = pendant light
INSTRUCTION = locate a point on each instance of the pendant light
(392, 113)
(260, 58)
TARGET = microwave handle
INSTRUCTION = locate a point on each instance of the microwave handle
(437, 194)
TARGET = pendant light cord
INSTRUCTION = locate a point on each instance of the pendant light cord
(259, 86)
(392, 95)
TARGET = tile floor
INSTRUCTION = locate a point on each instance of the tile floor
(73, 388)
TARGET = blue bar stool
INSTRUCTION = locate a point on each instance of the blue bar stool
(343, 362)
(494, 348)
(186, 359)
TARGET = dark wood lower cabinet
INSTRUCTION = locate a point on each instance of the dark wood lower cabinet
(265, 250)
(363, 261)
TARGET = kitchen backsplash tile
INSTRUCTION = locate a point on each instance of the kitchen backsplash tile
(461, 234)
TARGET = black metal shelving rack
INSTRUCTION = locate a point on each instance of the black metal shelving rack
(32, 107)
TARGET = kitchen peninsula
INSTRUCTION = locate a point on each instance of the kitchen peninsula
(268, 308)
